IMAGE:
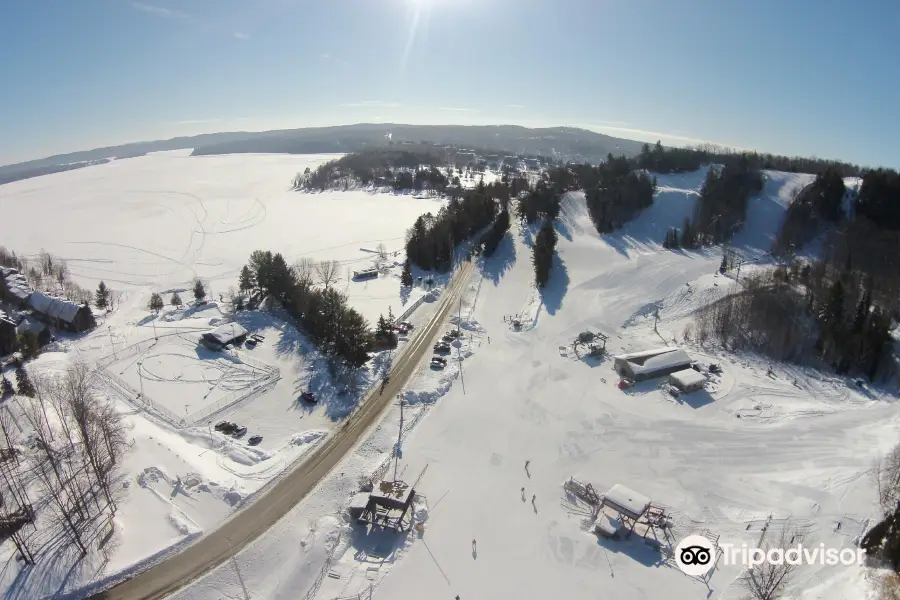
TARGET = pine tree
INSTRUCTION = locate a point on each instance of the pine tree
(724, 266)
(199, 290)
(245, 280)
(28, 344)
(687, 235)
(381, 327)
(23, 383)
(406, 278)
(101, 298)
(176, 300)
(544, 245)
(156, 302)
(833, 311)
(862, 312)
(6, 388)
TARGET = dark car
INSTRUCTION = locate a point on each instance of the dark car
(442, 347)
(239, 431)
(308, 397)
(255, 440)
(227, 427)
(438, 362)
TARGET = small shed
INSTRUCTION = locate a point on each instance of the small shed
(630, 505)
(358, 504)
(221, 336)
(652, 363)
(370, 273)
(688, 380)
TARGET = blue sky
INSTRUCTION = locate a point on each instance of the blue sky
(787, 76)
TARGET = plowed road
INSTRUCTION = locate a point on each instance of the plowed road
(219, 545)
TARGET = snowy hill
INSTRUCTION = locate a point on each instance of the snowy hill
(755, 453)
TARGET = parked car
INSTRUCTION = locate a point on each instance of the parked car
(239, 431)
(454, 334)
(438, 362)
(715, 368)
(255, 440)
(409, 326)
(308, 397)
(227, 427)
(250, 343)
(442, 347)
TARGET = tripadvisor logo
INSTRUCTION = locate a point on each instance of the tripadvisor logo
(695, 555)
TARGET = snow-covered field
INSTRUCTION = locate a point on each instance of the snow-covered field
(158, 221)
(789, 448)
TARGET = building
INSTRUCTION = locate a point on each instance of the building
(221, 336)
(8, 336)
(652, 363)
(31, 326)
(61, 313)
(687, 380)
(370, 273)
(14, 288)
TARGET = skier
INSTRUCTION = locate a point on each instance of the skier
(527, 462)
(533, 498)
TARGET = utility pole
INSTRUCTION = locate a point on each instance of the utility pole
(399, 439)
(155, 337)
(141, 379)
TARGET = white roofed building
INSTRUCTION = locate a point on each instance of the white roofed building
(652, 363)
(61, 312)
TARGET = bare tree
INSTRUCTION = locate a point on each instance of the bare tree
(768, 581)
(61, 272)
(328, 272)
(381, 249)
(304, 270)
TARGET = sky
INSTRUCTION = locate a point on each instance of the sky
(797, 77)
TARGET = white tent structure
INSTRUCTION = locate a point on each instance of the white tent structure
(652, 363)
(687, 380)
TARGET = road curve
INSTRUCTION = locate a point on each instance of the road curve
(217, 546)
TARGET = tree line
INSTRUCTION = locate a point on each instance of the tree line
(802, 313)
(814, 207)
(614, 193)
(404, 168)
(682, 160)
(431, 239)
(323, 312)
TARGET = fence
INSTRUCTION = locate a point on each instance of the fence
(132, 396)
(412, 307)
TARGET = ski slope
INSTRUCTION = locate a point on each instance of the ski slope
(792, 448)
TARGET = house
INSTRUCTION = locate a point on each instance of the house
(652, 363)
(14, 289)
(30, 325)
(61, 312)
(687, 380)
(8, 336)
(221, 336)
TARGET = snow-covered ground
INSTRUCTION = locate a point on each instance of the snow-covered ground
(151, 224)
(158, 221)
(754, 448)
(790, 447)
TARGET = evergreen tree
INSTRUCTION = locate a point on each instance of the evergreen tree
(862, 312)
(156, 302)
(199, 290)
(687, 235)
(833, 312)
(238, 303)
(101, 297)
(23, 383)
(381, 327)
(6, 388)
(245, 280)
(176, 300)
(28, 345)
(724, 266)
(544, 246)
(406, 278)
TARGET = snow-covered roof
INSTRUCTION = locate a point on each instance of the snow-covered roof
(359, 501)
(5, 317)
(58, 308)
(650, 361)
(627, 500)
(30, 325)
(224, 334)
(687, 378)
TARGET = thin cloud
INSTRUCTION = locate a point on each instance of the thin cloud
(514, 106)
(454, 109)
(334, 59)
(370, 104)
(241, 36)
(661, 135)
(196, 121)
(614, 123)
(159, 11)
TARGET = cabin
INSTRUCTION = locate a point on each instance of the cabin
(649, 364)
(61, 312)
(13, 287)
(223, 335)
(688, 380)
(370, 273)
(30, 326)
(8, 336)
